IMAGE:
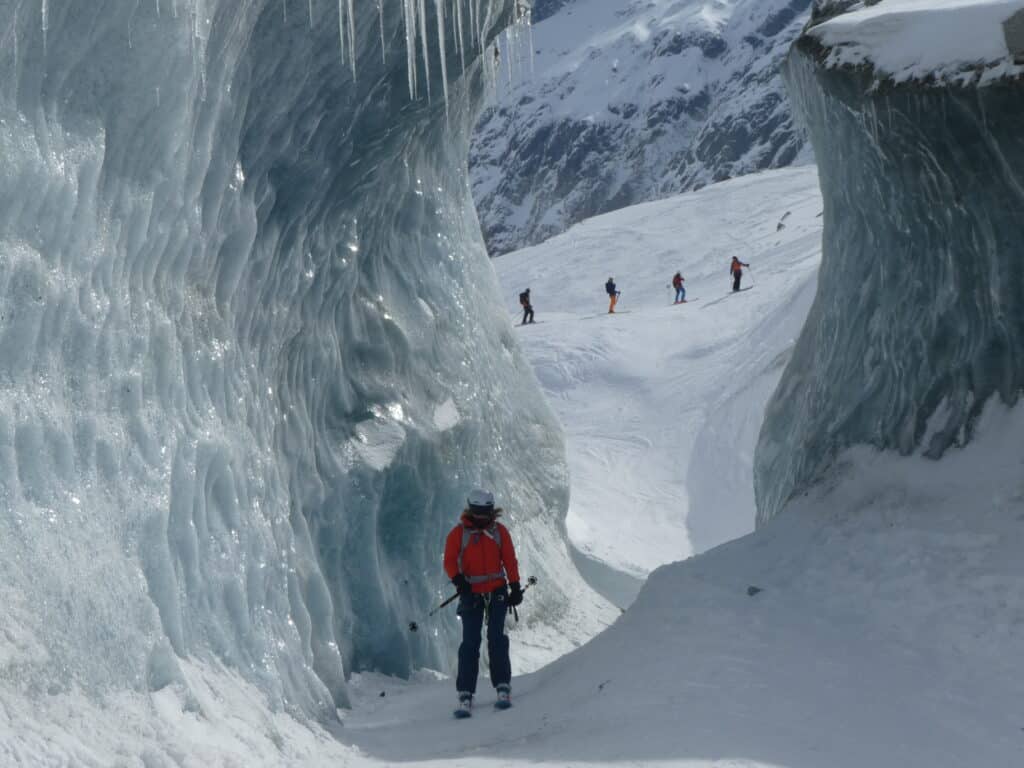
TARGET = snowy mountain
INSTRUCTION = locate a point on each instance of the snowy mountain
(626, 102)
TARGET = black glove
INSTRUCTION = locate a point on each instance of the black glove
(515, 594)
(464, 588)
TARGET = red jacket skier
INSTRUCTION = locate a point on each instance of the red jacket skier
(480, 559)
(736, 268)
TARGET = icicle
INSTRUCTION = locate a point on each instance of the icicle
(341, 29)
(408, 11)
(442, 49)
(380, 17)
(459, 42)
(310, 14)
(284, 10)
(422, 13)
(529, 27)
(352, 38)
(44, 10)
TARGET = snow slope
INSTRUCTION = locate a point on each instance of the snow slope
(624, 102)
(887, 634)
(661, 404)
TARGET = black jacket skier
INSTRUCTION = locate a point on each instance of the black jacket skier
(613, 294)
(524, 301)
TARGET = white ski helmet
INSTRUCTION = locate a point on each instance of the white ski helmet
(480, 501)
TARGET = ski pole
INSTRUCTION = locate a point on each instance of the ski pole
(413, 626)
(530, 582)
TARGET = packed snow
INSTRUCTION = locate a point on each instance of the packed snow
(917, 39)
(661, 404)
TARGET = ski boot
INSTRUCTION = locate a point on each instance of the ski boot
(504, 700)
(465, 708)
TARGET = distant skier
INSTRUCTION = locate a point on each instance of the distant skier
(524, 301)
(677, 283)
(613, 295)
(480, 559)
(736, 268)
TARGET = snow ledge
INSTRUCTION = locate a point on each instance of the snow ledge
(938, 42)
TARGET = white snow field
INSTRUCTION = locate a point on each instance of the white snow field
(661, 404)
(940, 39)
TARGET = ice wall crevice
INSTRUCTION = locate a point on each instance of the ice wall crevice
(919, 315)
(237, 289)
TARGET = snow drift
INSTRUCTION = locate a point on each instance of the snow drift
(253, 352)
(919, 316)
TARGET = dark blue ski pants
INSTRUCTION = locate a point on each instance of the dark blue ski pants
(474, 611)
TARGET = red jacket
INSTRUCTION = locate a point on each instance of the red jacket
(481, 556)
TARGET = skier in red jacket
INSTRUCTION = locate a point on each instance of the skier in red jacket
(480, 559)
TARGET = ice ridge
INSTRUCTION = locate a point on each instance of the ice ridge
(252, 352)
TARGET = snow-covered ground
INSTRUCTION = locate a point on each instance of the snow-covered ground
(907, 39)
(662, 404)
(886, 633)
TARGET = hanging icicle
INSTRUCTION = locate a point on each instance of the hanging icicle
(45, 13)
(380, 18)
(409, 15)
(421, 11)
(352, 38)
(442, 49)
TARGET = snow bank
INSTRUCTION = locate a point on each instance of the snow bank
(886, 633)
(923, 39)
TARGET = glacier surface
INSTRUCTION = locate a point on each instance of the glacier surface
(252, 352)
(918, 318)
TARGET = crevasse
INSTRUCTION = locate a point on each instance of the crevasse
(252, 352)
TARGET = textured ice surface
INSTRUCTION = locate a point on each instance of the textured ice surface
(919, 316)
(252, 352)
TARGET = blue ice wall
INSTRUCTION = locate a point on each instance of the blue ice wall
(252, 352)
(919, 315)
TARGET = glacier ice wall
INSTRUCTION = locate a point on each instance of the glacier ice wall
(919, 315)
(252, 352)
